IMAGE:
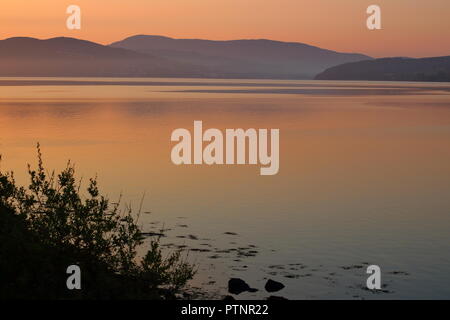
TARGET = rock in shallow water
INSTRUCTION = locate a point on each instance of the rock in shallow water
(273, 286)
(237, 286)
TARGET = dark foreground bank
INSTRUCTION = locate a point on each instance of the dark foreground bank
(49, 226)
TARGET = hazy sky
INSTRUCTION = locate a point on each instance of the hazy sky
(415, 28)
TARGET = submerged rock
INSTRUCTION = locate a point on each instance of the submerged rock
(237, 286)
(273, 286)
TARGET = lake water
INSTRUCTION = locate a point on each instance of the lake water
(364, 175)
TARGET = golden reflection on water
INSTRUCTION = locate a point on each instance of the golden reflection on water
(359, 173)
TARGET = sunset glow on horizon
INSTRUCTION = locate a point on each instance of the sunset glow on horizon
(413, 28)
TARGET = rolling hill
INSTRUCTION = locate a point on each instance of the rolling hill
(242, 58)
(66, 57)
(391, 69)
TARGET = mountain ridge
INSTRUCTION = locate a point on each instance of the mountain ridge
(392, 69)
(262, 58)
(65, 56)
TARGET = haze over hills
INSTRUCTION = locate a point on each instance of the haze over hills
(242, 58)
(391, 69)
(156, 56)
(23, 56)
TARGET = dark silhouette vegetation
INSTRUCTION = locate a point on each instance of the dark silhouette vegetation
(50, 225)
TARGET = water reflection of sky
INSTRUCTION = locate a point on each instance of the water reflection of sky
(364, 178)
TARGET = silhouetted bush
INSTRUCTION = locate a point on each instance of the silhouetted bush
(50, 225)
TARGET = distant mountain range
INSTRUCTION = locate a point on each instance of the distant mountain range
(70, 57)
(242, 58)
(155, 56)
(391, 69)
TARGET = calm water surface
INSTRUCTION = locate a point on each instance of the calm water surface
(364, 175)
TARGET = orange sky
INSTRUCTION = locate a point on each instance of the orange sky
(414, 28)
